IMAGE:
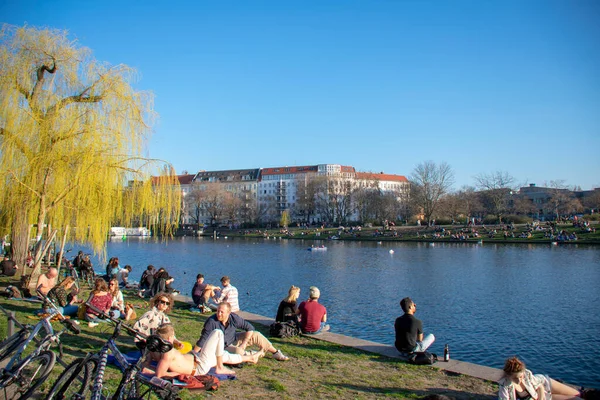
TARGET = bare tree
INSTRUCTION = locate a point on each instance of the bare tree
(193, 204)
(430, 182)
(562, 201)
(306, 190)
(496, 189)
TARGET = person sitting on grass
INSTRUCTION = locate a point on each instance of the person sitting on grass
(313, 316)
(228, 294)
(117, 308)
(101, 299)
(236, 342)
(47, 281)
(202, 292)
(288, 307)
(161, 304)
(173, 363)
(64, 297)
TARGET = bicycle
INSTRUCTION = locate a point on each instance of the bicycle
(22, 375)
(74, 382)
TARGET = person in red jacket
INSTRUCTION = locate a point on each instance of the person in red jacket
(313, 316)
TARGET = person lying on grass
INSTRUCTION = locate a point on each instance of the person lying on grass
(173, 363)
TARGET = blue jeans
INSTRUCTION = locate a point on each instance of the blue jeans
(69, 309)
(424, 345)
(323, 328)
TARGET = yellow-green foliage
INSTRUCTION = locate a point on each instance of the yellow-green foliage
(72, 140)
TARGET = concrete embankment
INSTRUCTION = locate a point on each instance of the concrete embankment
(455, 366)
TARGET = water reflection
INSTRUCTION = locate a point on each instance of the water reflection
(487, 301)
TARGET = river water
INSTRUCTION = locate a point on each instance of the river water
(488, 302)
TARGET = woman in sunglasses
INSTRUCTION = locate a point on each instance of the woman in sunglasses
(161, 304)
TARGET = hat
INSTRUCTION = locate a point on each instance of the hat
(314, 292)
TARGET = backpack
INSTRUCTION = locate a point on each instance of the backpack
(283, 329)
(204, 382)
(422, 358)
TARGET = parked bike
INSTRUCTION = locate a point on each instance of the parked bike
(74, 382)
(22, 373)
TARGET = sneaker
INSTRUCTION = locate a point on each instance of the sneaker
(92, 324)
(279, 356)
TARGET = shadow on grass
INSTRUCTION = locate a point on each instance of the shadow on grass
(408, 393)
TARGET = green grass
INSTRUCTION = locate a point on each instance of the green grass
(317, 369)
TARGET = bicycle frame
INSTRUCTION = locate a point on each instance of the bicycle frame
(43, 344)
(130, 371)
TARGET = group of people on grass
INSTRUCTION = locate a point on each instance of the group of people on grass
(226, 337)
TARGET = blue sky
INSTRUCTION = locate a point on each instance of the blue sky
(380, 85)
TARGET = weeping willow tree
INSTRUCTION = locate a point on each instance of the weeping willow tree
(73, 132)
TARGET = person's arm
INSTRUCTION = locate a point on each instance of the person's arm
(209, 326)
(324, 319)
(240, 323)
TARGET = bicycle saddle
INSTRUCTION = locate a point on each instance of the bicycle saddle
(156, 344)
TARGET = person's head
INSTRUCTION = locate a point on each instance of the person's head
(314, 293)
(223, 311)
(514, 369)
(199, 278)
(150, 268)
(163, 302)
(52, 273)
(166, 332)
(293, 294)
(80, 252)
(408, 305)
(67, 282)
(128, 268)
(100, 285)
(113, 287)
(225, 280)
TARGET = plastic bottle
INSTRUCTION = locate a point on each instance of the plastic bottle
(446, 353)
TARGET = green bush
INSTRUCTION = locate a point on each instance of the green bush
(517, 219)
(443, 221)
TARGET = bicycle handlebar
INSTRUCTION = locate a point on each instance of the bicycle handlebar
(117, 322)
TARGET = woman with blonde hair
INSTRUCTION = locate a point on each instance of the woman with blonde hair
(63, 296)
(288, 308)
(117, 307)
(520, 383)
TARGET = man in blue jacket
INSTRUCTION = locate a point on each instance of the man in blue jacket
(236, 342)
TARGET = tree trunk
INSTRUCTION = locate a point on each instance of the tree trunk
(19, 239)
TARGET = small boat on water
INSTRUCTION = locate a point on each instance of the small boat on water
(315, 248)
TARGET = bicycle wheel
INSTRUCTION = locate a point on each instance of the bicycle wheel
(33, 373)
(11, 344)
(74, 381)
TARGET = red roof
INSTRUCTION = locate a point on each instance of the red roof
(185, 179)
(381, 177)
(289, 170)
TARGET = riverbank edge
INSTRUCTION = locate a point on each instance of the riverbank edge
(454, 366)
(430, 240)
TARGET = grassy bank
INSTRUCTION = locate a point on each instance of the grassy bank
(447, 233)
(317, 369)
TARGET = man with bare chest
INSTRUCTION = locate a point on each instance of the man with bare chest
(212, 354)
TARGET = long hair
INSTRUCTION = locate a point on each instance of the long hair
(114, 292)
(100, 286)
(293, 294)
(66, 281)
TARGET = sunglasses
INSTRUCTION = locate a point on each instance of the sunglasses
(166, 303)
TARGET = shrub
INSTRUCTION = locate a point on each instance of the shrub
(517, 219)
